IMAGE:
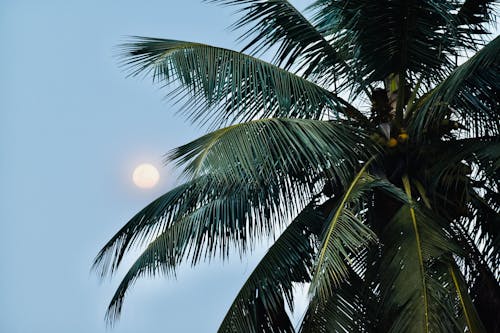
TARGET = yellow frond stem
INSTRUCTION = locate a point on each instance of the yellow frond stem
(460, 296)
(407, 187)
(335, 218)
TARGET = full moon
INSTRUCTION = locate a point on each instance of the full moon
(145, 176)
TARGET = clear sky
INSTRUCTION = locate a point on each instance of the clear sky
(72, 128)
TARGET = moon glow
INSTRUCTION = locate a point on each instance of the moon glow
(145, 176)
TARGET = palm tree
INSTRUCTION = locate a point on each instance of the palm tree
(362, 142)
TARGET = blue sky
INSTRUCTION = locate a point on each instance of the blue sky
(72, 129)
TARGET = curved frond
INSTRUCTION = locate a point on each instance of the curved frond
(469, 311)
(420, 256)
(414, 298)
(299, 42)
(346, 235)
(287, 261)
(482, 281)
(475, 14)
(465, 188)
(145, 224)
(267, 149)
(481, 151)
(206, 200)
(469, 95)
(216, 225)
(398, 37)
(342, 312)
(223, 86)
(485, 228)
(279, 23)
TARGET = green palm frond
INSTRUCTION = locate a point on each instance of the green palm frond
(278, 23)
(346, 234)
(472, 319)
(480, 237)
(485, 228)
(481, 279)
(159, 214)
(483, 152)
(217, 226)
(403, 37)
(222, 86)
(268, 149)
(349, 237)
(162, 256)
(411, 287)
(287, 261)
(463, 167)
(220, 210)
(448, 314)
(462, 183)
(342, 312)
(475, 14)
(420, 256)
(469, 95)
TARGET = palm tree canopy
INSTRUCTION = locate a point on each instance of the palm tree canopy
(362, 142)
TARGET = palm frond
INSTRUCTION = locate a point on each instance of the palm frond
(462, 183)
(469, 311)
(221, 86)
(475, 14)
(214, 226)
(418, 241)
(402, 37)
(342, 312)
(225, 214)
(278, 23)
(481, 279)
(469, 95)
(485, 226)
(268, 149)
(287, 261)
(413, 297)
(402, 236)
(158, 215)
(481, 151)
(345, 236)
(276, 153)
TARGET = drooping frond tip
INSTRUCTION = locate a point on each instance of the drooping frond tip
(234, 87)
